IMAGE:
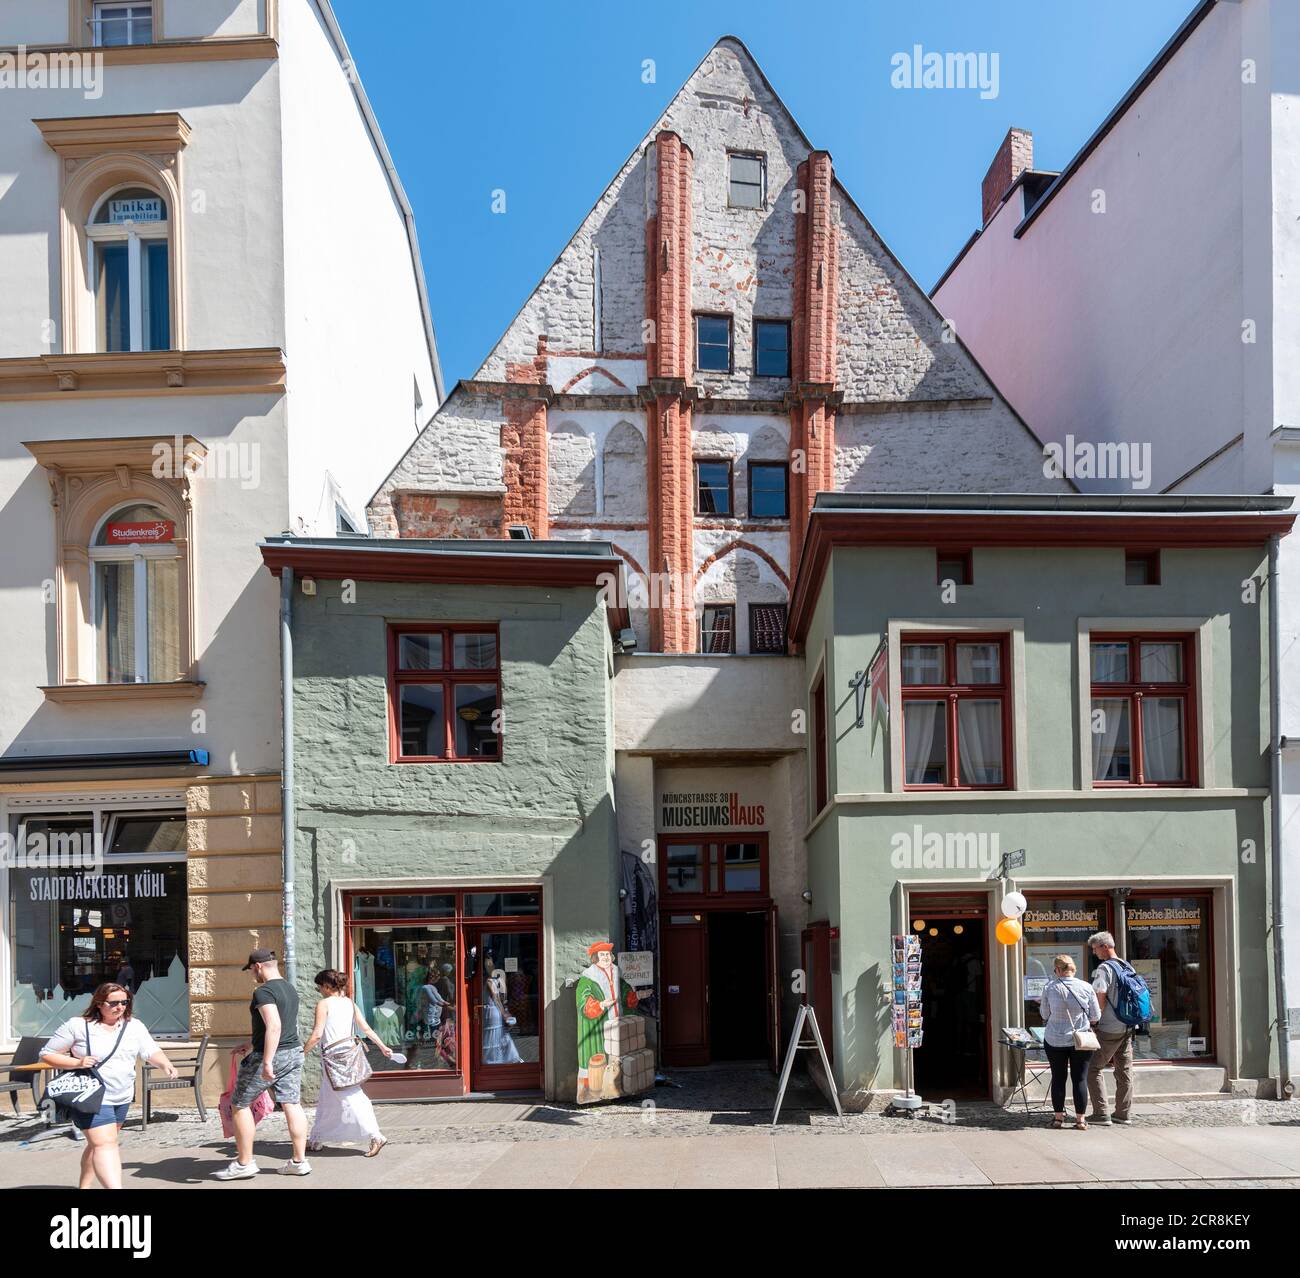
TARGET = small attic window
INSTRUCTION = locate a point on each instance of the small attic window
(746, 181)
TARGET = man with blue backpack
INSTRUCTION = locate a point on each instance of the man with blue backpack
(1125, 1010)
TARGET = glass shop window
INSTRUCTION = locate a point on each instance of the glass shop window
(404, 982)
(1059, 925)
(85, 909)
(1169, 944)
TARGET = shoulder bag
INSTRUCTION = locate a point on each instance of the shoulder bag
(345, 1063)
(82, 1090)
(1085, 1040)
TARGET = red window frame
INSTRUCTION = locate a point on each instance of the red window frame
(820, 791)
(448, 678)
(706, 839)
(952, 693)
(1134, 691)
(451, 1080)
(966, 577)
(1150, 559)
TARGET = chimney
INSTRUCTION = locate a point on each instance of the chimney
(1015, 155)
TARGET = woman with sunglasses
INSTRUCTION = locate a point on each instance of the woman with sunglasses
(106, 1038)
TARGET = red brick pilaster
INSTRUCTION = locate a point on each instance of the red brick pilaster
(813, 338)
(524, 440)
(668, 402)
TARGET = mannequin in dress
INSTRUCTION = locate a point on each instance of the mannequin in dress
(390, 1022)
(498, 1045)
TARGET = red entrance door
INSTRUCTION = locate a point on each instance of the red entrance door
(503, 972)
(720, 992)
(684, 981)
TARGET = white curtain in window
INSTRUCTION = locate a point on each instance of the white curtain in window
(164, 620)
(979, 663)
(979, 742)
(116, 621)
(925, 750)
(1162, 738)
(1162, 662)
(1110, 746)
(923, 664)
(1110, 663)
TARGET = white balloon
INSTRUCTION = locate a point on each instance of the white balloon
(1013, 905)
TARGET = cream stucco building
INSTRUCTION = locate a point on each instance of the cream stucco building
(185, 356)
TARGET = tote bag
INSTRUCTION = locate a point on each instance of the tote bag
(261, 1108)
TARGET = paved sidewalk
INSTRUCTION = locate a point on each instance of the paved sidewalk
(1265, 1156)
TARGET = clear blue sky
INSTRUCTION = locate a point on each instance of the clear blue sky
(546, 100)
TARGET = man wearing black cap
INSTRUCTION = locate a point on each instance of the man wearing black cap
(275, 1063)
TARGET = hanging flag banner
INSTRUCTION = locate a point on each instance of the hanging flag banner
(878, 673)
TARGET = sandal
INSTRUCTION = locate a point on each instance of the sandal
(1080, 1123)
(1058, 1123)
(376, 1145)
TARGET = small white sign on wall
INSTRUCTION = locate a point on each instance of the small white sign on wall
(637, 968)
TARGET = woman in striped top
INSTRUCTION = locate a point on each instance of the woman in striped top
(1068, 1005)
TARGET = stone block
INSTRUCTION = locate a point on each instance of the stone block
(218, 798)
(637, 1072)
(229, 947)
(235, 909)
(219, 834)
(627, 1034)
(256, 871)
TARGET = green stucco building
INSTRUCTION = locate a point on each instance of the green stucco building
(1068, 697)
(455, 847)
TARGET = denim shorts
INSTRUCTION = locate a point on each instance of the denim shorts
(285, 1087)
(107, 1114)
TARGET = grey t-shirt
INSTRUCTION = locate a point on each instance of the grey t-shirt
(1104, 982)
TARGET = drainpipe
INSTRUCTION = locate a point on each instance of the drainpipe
(1285, 1086)
(286, 770)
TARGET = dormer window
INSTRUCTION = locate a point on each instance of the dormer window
(130, 271)
(114, 25)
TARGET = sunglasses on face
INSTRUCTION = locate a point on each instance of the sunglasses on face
(116, 1002)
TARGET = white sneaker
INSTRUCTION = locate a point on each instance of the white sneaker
(237, 1171)
(291, 1168)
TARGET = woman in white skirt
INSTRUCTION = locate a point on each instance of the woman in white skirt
(344, 1116)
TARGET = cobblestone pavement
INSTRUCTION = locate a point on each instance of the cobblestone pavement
(707, 1102)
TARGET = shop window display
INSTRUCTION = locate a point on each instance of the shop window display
(404, 981)
(1169, 946)
(107, 903)
(1058, 925)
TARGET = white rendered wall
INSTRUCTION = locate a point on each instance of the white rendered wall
(236, 634)
(192, 19)
(353, 319)
(1127, 325)
(33, 22)
(230, 182)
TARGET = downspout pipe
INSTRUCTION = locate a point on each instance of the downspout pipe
(290, 956)
(1285, 1086)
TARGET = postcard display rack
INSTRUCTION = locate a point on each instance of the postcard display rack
(908, 1020)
